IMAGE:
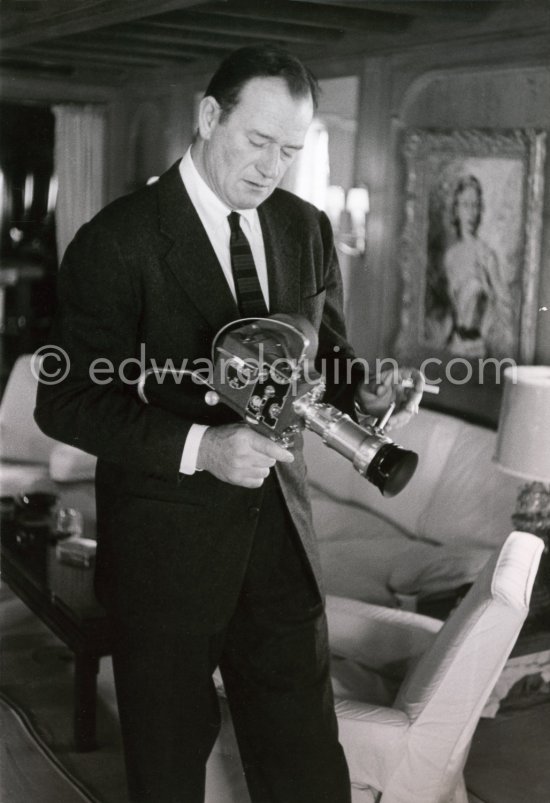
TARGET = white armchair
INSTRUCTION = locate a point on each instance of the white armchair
(409, 690)
(24, 450)
(30, 460)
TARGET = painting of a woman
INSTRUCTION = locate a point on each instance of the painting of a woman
(470, 259)
(469, 307)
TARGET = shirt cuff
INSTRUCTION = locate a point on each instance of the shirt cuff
(188, 463)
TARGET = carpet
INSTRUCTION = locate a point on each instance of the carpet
(36, 677)
(509, 761)
(28, 770)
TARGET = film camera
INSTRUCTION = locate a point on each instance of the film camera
(263, 369)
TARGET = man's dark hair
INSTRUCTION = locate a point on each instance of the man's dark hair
(247, 63)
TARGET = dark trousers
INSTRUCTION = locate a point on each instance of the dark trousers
(274, 660)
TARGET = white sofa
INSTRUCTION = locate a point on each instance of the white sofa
(435, 535)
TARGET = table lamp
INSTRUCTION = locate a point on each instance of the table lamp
(523, 440)
(523, 450)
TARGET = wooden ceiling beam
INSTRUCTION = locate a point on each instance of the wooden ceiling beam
(35, 66)
(144, 35)
(22, 5)
(66, 17)
(146, 44)
(72, 58)
(448, 9)
(117, 49)
(106, 74)
(311, 14)
(244, 28)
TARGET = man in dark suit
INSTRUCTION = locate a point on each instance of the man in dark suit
(206, 551)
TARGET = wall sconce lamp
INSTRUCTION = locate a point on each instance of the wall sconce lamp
(348, 213)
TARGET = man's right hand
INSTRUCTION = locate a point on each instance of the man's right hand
(237, 454)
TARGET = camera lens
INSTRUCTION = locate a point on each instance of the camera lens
(391, 468)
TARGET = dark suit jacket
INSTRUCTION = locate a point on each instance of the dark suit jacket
(140, 282)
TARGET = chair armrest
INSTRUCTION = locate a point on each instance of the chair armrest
(373, 738)
(376, 636)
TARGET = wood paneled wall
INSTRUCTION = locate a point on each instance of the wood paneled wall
(503, 85)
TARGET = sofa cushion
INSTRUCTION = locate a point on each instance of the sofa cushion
(359, 568)
(425, 569)
(335, 519)
(358, 551)
(357, 547)
(472, 501)
(352, 680)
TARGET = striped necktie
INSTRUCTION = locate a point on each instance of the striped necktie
(250, 299)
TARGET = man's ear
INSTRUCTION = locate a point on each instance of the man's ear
(209, 115)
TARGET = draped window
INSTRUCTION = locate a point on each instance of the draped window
(308, 176)
(79, 159)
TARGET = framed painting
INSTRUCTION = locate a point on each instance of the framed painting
(470, 260)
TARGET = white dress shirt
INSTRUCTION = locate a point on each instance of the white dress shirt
(213, 214)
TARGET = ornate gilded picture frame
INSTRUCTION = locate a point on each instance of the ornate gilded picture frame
(470, 260)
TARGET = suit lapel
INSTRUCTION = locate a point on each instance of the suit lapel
(190, 256)
(282, 252)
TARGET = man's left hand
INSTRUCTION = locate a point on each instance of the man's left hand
(404, 386)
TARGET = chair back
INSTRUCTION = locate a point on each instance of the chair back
(445, 691)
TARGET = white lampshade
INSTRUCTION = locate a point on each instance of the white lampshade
(523, 440)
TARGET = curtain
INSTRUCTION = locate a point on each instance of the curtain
(308, 176)
(79, 163)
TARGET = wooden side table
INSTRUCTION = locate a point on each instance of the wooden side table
(62, 597)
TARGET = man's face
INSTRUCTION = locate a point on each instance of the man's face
(243, 158)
